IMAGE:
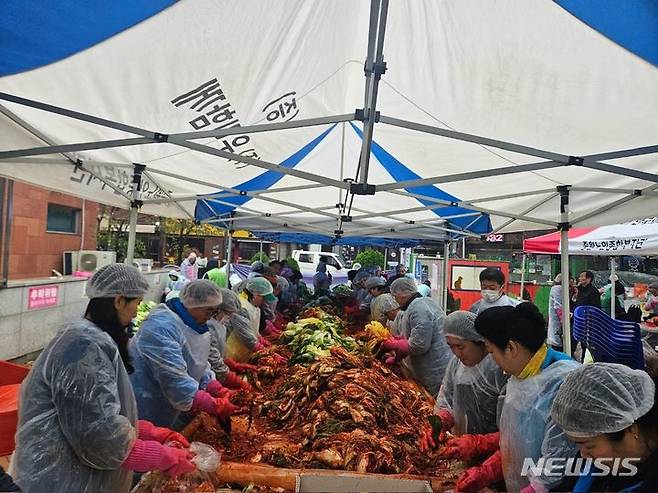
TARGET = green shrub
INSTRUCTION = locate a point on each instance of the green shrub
(370, 258)
(259, 256)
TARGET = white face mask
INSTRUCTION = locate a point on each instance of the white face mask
(491, 295)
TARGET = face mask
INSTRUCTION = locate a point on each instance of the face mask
(491, 295)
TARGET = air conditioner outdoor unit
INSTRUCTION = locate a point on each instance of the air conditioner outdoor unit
(91, 260)
(143, 264)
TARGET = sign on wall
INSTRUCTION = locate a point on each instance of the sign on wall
(42, 297)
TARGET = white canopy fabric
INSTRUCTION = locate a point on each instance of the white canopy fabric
(472, 91)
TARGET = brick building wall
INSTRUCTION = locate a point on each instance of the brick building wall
(33, 251)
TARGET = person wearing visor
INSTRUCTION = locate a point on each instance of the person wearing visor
(78, 427)
(376, 286)
(610, 412)
(492, 283)
(170, 353)
(241, 344)
(473, 387)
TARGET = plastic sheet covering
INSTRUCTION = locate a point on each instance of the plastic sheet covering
(171, 364)
(473, 395)
(527, 429)
(422, 324)
(77, 420)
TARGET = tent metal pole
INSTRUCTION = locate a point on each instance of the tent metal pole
(588, 162)
(527, 211)
(134, 211)
(261, 164)
(342, 163)
(608, 207)
(471, 175)
(495, 198)
(466, 205)
(264, 127)
(523, 262)
(446, 277)
(374, 68)
(464, 247)
(76, 115)
(612, 288)
(564, 257)
(229, 255)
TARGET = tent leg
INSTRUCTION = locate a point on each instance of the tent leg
(134, 211)
(564, 254)
(229, 254)
(612, 288)
(523, 262)
(444, 290)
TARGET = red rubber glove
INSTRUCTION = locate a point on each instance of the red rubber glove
(479, 477)
(264, 342)
(239, 367)
(148, 431)
(271, 330)
(447, 419)
(220, 407)
(426, 439)
(233, 381)
(216, 389)
(399, 346)
(149, 455)
(468, 447)
(528, 489)
(258, 346)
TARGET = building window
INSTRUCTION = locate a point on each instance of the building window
(62, 219)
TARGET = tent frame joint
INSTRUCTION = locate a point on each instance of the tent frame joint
(362, 189)
(576, 161)
(160, 138)
(566, 226)
(346, 219)
(360, 115)
(638, 192)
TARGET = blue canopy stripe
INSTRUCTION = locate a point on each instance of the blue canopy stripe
(318, 239)
(35, 33)
(400, 172)
(631, 24)
(208, 208)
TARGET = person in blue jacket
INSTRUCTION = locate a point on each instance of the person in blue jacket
(170, 356)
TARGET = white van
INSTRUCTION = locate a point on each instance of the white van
(308, 261)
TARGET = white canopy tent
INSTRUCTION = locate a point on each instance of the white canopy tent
(500, 116)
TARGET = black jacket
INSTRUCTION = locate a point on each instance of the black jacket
(588, 296)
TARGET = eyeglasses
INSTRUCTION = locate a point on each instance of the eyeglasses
(211, 311)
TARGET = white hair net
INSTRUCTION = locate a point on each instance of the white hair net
(404, 286)
(462, 324)
(602, 398)
(117, 280)
(375, 282)
(230, 301)
(386, 303)
(200, 293)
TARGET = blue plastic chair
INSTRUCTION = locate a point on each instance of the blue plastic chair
(609, 341)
